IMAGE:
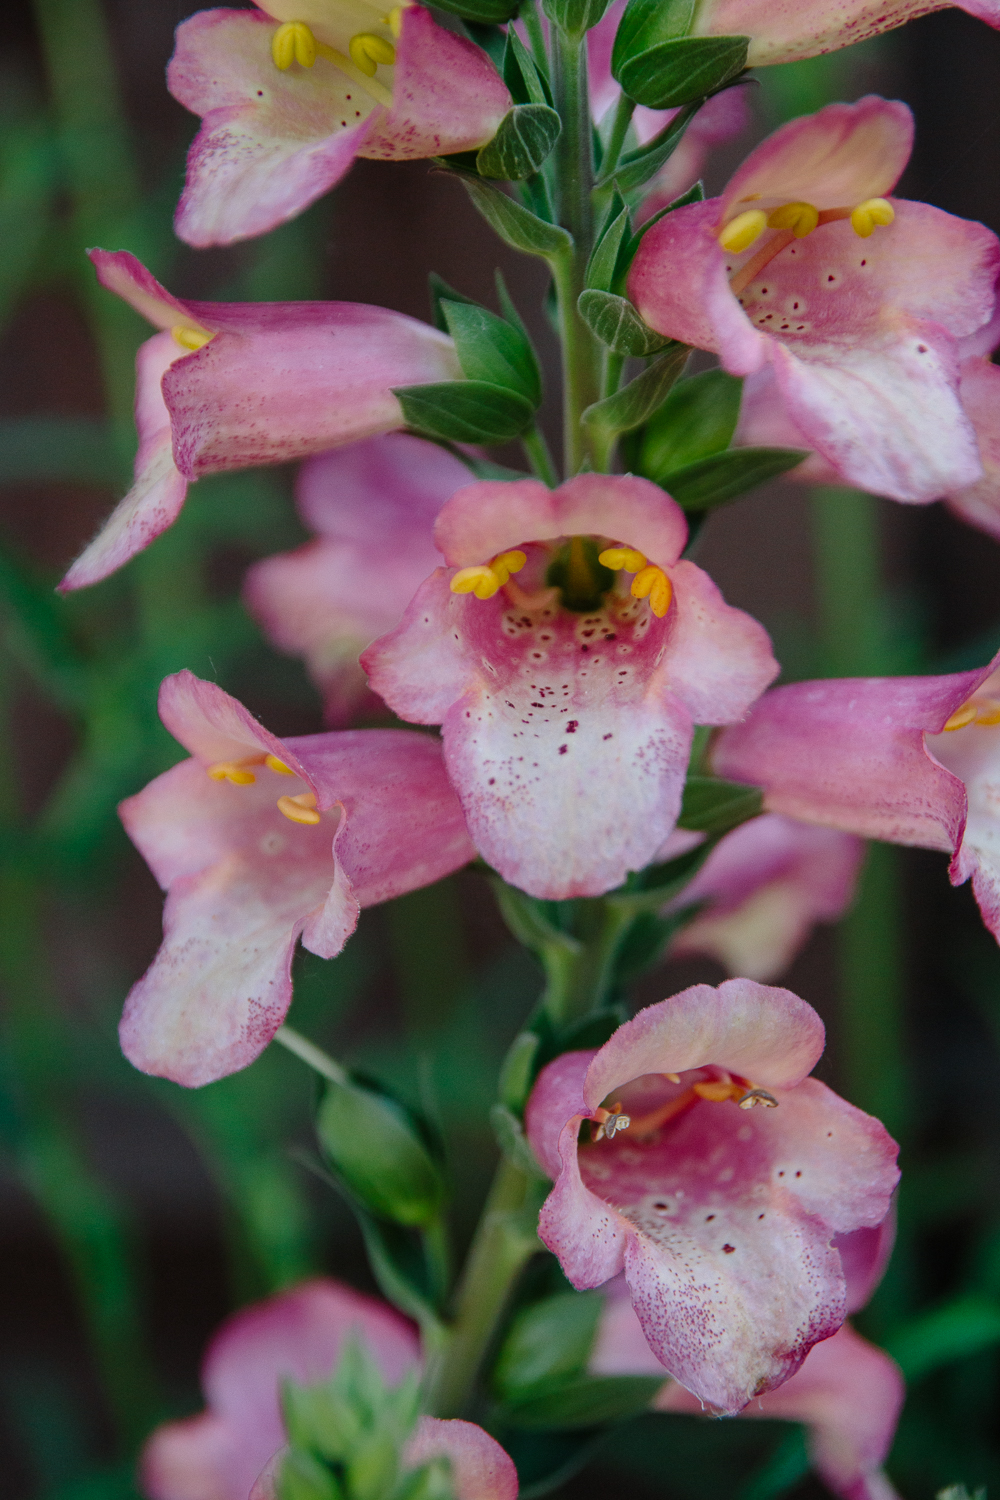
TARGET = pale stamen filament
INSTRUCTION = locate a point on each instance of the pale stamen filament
(714, 1090)
(295, 42)
(792, 221)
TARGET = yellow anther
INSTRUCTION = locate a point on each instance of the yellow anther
(368, 50)
(394, 20)
(293, 42)
(962, 716)
(988, 711)
(740, 233)
(274, 764)
(800, 218)
(672, 1077)
(717, 1091)
(873, 211)
(652, 583)
(626, 559)
(486, 579)
(300, 809)
(191, 338)
(236, 771)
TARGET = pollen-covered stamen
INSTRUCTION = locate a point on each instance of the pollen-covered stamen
(712, 1090)
(652, 583)
(622, 559)
(757, 1098)
(873, 211)
(294, 42)
(985, 711)
(800, 218)
(274, 764)
(792, 221)
(608, 1122)
(739, 234)
(486, 579)
(300, 809)
(191, 338)
(236, 771)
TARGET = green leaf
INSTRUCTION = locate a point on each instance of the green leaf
(575, 16)
(638, 167)
(399, 1264)
(513, 1142)
(713, 806)
(646, 23)
(485, 12)
(637, 401)
(603, 266)
(515, 225)
(375, 1145)
(303, 1477)
(723, 476)
(521, 74)
(677, 72)
(645, 942)
(954, 1331)
(524, 139)
(528, 920)
(698, 418)
(617, 324)
(493, 351)
(442, 292)
(490, 37)
(585, 1402)
(465, 411)
(518, 1070)
(548, 1344)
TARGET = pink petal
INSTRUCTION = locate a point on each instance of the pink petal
(864, 1254)
(788, 30)
(975, 758)
(484, 519)
(244, 882)
(765, 423)
(295, 1335)
(768, 1035)
(979, 503)
(446, 97)
(155, 499)
(480, 1469)
(835, 158)
(763, 888)
(718, 659)
(850, 754)
(128, 278)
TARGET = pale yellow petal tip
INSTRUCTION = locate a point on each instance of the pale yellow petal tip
(293, 42)
(873, 211)
(624, 559)
(740, 233)
(274, 764)
(652, 583)
(800, 218)
(300, 809)
(191, 338)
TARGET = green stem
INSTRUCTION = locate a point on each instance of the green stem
(619, 130)
(528, 14)
(581, 981)
(314, 1057)
(504, 1242)
(847, 562)
(574, 163)
(537, 451)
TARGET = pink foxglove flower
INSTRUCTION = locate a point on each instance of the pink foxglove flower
(847, 1393)
(911, 760)
(258, 841)
(787, 30)
(857, 303)
(228, 385)
(373, 506)
(299, 1335)
(566, 697)
(290, 94)
(717, 1176)
(761, 891)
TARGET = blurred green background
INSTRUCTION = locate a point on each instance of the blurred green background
(134, 1214)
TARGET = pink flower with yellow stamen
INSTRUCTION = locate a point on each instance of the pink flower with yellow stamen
(258, 841)
(856, 302)
(567, 653)
(720, 1187)
(291, 93)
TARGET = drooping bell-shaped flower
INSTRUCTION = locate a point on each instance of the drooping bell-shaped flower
(228, 385)
(910, 760)
(291, 93)
(717, 1177)
(568, 694)
(787, 30)
(857, 303)
(761, 891)
(373, 506)
(299, 1335)
(259, 841)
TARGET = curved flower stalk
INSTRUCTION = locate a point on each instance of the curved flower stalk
(723, 1220)
(228, 385)
(259, 841)
(847, 1392)
(910, 760)
(373, 506)
(290, 94)
(762, 889)
(568, 696)
(788, 30)
(300, 1335)
(855, 302)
